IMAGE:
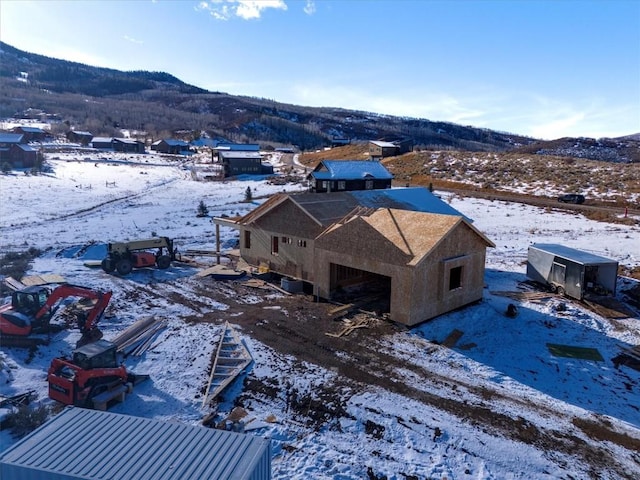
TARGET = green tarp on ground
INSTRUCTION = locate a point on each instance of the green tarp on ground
(574, 352)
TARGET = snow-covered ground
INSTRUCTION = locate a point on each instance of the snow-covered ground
(502, 364)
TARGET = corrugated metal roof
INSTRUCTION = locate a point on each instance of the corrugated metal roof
(578, 256)
(89, 444)
(350, 170)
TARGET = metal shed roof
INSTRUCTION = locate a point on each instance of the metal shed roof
(350, 170)
(88, 444)
(578, 256)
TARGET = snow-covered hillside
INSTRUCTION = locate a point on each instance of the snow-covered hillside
(451, 414)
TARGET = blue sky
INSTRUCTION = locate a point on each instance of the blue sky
(542, 68)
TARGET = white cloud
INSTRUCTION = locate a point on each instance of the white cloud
(310, 7)
(133, 40)
(245, 9)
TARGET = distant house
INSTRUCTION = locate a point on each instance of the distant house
(418, 254)
(242, 162)
(379, 149)
(15, 151)
(387, 148)
(23, 156)
(8, 139)
(102, 143)
(128, 145)
(169, 146)
(76, 136)
(347, 175)
(31, 134)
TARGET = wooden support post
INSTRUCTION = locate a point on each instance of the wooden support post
(218, 244)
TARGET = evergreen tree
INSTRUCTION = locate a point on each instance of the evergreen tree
(203, 211)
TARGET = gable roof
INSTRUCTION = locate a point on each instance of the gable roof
(80, 133)
(350, 170)
(102, 140)
(30, 129)
(382, 144)
(11, 137)
(171, 142)
(24, 147)
(415, 234)
(328, 208)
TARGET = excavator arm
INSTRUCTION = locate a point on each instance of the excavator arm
(64, 291)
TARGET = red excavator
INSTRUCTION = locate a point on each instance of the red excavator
(32, 308)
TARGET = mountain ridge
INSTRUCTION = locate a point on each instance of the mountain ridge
(104, 100)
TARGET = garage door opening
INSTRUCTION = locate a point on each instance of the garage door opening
(370, 291)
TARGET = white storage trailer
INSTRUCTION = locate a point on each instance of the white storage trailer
(81, 444)
(570, 271)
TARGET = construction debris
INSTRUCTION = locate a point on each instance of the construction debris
(525, 296)
(14, 284)
(231, 358)
(137, 339)
(364, 322)
(42, 279)
(452, 338)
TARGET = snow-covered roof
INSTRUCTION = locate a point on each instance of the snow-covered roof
(383, 144)
(134, 448)
(350, 170)
(102, 140)
(81, 133)
(128, 141)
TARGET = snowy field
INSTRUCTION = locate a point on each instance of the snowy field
(90, 199)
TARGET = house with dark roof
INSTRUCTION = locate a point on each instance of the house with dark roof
(348, 175)
(420, 256)
(102, 143)
(128, 145)
(170, 146)
(242, 162)
(379, 149)
(77, 136)
(15, 151)
(31, 134)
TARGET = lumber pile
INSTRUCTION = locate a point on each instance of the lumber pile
(525, 296)
(136, 339)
